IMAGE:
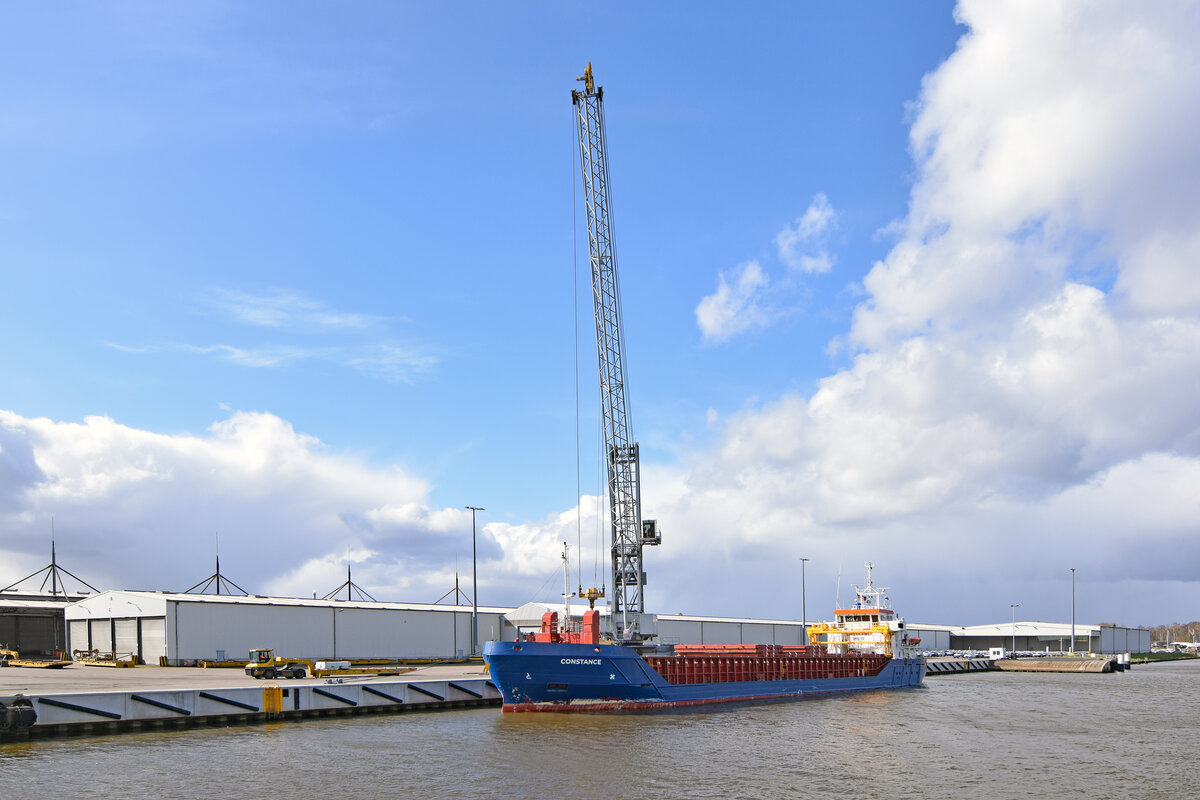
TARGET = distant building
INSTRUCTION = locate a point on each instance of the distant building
(1042, 637)
(185, 628)
(161, 627)
(33, 623)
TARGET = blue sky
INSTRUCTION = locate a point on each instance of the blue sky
(346, 232)
(413, 170)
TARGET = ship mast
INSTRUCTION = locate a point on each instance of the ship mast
(629, 531)
(869, 595)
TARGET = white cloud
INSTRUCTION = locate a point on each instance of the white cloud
(747, 300)
(1021, 397)
(735, 308)
(286, 308)
(397, 363)
(391, 362)
(136, 509)
(140, 508)
(977, 329)
(291, 312)
(251, 357)
(351, 340)
(1057, 137)
(803, 244)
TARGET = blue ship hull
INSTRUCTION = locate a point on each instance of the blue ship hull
(553, 676)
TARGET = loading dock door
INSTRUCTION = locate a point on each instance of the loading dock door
(102, 635)
(30, 633)
(127, 638)
(154, 639)
(79, 635)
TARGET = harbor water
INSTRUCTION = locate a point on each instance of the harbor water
(993, 735)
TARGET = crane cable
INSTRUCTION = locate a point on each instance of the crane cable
(575, 296)
(600, 465)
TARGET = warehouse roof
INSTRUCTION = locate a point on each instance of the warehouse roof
(1042, 630)
(32, 605)
(104, 598)
(60, 598)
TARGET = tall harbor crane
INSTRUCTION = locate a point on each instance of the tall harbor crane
(629, 531)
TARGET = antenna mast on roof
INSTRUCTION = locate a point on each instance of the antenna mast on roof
(350, 586)
(52, 571)
(216, 580)
(455, 592)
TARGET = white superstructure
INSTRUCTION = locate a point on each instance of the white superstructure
(870, 626)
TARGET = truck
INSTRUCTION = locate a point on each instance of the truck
(264, 664)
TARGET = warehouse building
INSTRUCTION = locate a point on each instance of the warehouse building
(675, 628)
(33, 622)
(930, 638)
(680, 628)
(160, 627)
(181, 629)
(683, 628)
(1051, 637)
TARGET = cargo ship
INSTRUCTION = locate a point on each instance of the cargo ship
(567, 667)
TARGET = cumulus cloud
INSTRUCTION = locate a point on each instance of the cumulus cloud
(18, 466)
(803, 244)
(1019, 400)
(735, 307)
(1030, 168)
(747, 300)
(141, 509)
(1057, 137)
(1026, 358)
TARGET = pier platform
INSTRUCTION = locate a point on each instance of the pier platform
(79, 700)
(956, 666)
(1057, 664)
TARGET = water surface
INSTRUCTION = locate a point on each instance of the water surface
(992, 735)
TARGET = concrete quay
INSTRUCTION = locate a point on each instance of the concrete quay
(82, 700)
(1058, 665)
(957, 666)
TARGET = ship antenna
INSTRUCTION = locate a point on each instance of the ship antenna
(566, 585)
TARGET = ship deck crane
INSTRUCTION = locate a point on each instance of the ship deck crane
(629, 531)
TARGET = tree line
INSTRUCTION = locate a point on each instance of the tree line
(1175, 632)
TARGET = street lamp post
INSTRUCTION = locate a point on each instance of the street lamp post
(1014, 607)
(803, 602)
(474, 584)
(336, 611)
(1072, 609)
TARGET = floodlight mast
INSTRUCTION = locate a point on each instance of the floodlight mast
(629, 533)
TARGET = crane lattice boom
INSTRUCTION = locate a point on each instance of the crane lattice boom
(624, 490)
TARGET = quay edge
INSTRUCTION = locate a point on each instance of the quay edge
(958, 666)
(106, 712)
